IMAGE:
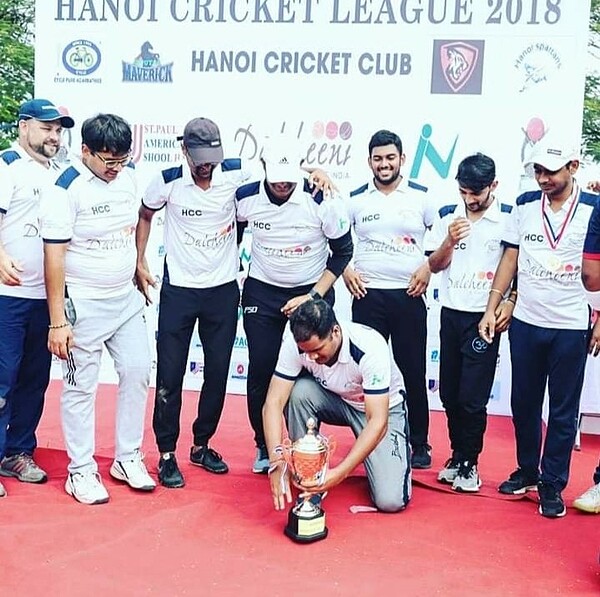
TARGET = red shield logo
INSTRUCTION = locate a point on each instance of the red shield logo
(458, 60)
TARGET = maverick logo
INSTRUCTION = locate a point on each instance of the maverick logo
(147, 67)
(537, 62)
(457, 66)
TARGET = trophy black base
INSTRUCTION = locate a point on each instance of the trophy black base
(306, 529)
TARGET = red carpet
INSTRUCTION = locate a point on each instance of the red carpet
(220, 536)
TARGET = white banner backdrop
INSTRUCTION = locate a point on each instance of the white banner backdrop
(449, 76)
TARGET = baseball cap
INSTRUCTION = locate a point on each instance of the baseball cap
(45, 111)
(282, 159)
(202, 139)
(553, 153)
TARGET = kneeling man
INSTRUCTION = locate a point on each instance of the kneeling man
(349, 379)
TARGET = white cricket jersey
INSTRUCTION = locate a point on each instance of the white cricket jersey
(289, 241)
(98, 220)
(551, 294)
(465, 284)
(364, 367)
(389, 232)
(200, 225)
(21, 182)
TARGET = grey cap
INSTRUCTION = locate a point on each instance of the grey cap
(202, 140)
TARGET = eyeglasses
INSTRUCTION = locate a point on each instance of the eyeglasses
(112, 163)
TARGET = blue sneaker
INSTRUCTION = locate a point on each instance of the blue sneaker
(261, 462)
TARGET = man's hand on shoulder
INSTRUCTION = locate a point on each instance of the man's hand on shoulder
(594, 186)
(319, 181)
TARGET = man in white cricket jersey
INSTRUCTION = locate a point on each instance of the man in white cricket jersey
(390, 273)
(465, 245)
(301, 243)
(550, 331)
(88, 227)
(199, 285)
(25, 169)
(340, 374)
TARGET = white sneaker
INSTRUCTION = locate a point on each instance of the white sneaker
(467, 479)
(449, 472)
(133, 472)
(2, 491)
(86, 488)
(589, 501)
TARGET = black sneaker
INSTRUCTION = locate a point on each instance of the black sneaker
(208, 459)
(169, 474)
(421, 456)
(551, 502)
(518, 483)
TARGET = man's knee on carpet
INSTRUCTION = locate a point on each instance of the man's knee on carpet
(389, 501)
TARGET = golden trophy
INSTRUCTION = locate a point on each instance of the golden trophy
(307, 458)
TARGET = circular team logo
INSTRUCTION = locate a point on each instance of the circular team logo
(81, 57)
(479, 345)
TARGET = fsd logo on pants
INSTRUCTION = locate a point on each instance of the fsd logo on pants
(457, 66)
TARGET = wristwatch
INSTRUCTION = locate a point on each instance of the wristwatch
(314, 295)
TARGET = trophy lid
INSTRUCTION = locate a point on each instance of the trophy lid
(312, 442)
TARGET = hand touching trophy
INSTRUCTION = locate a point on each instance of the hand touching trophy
(307, 459)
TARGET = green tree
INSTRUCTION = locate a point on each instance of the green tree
(591, 107)
(16, 65)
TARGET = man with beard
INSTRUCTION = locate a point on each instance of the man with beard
(390, 273)
(465, 246)
(199, 285)
(25, 169)
(550, 331)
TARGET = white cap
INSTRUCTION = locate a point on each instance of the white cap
(553, 153)
(282, 159)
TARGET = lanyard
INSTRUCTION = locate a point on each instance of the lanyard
(554, 239)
